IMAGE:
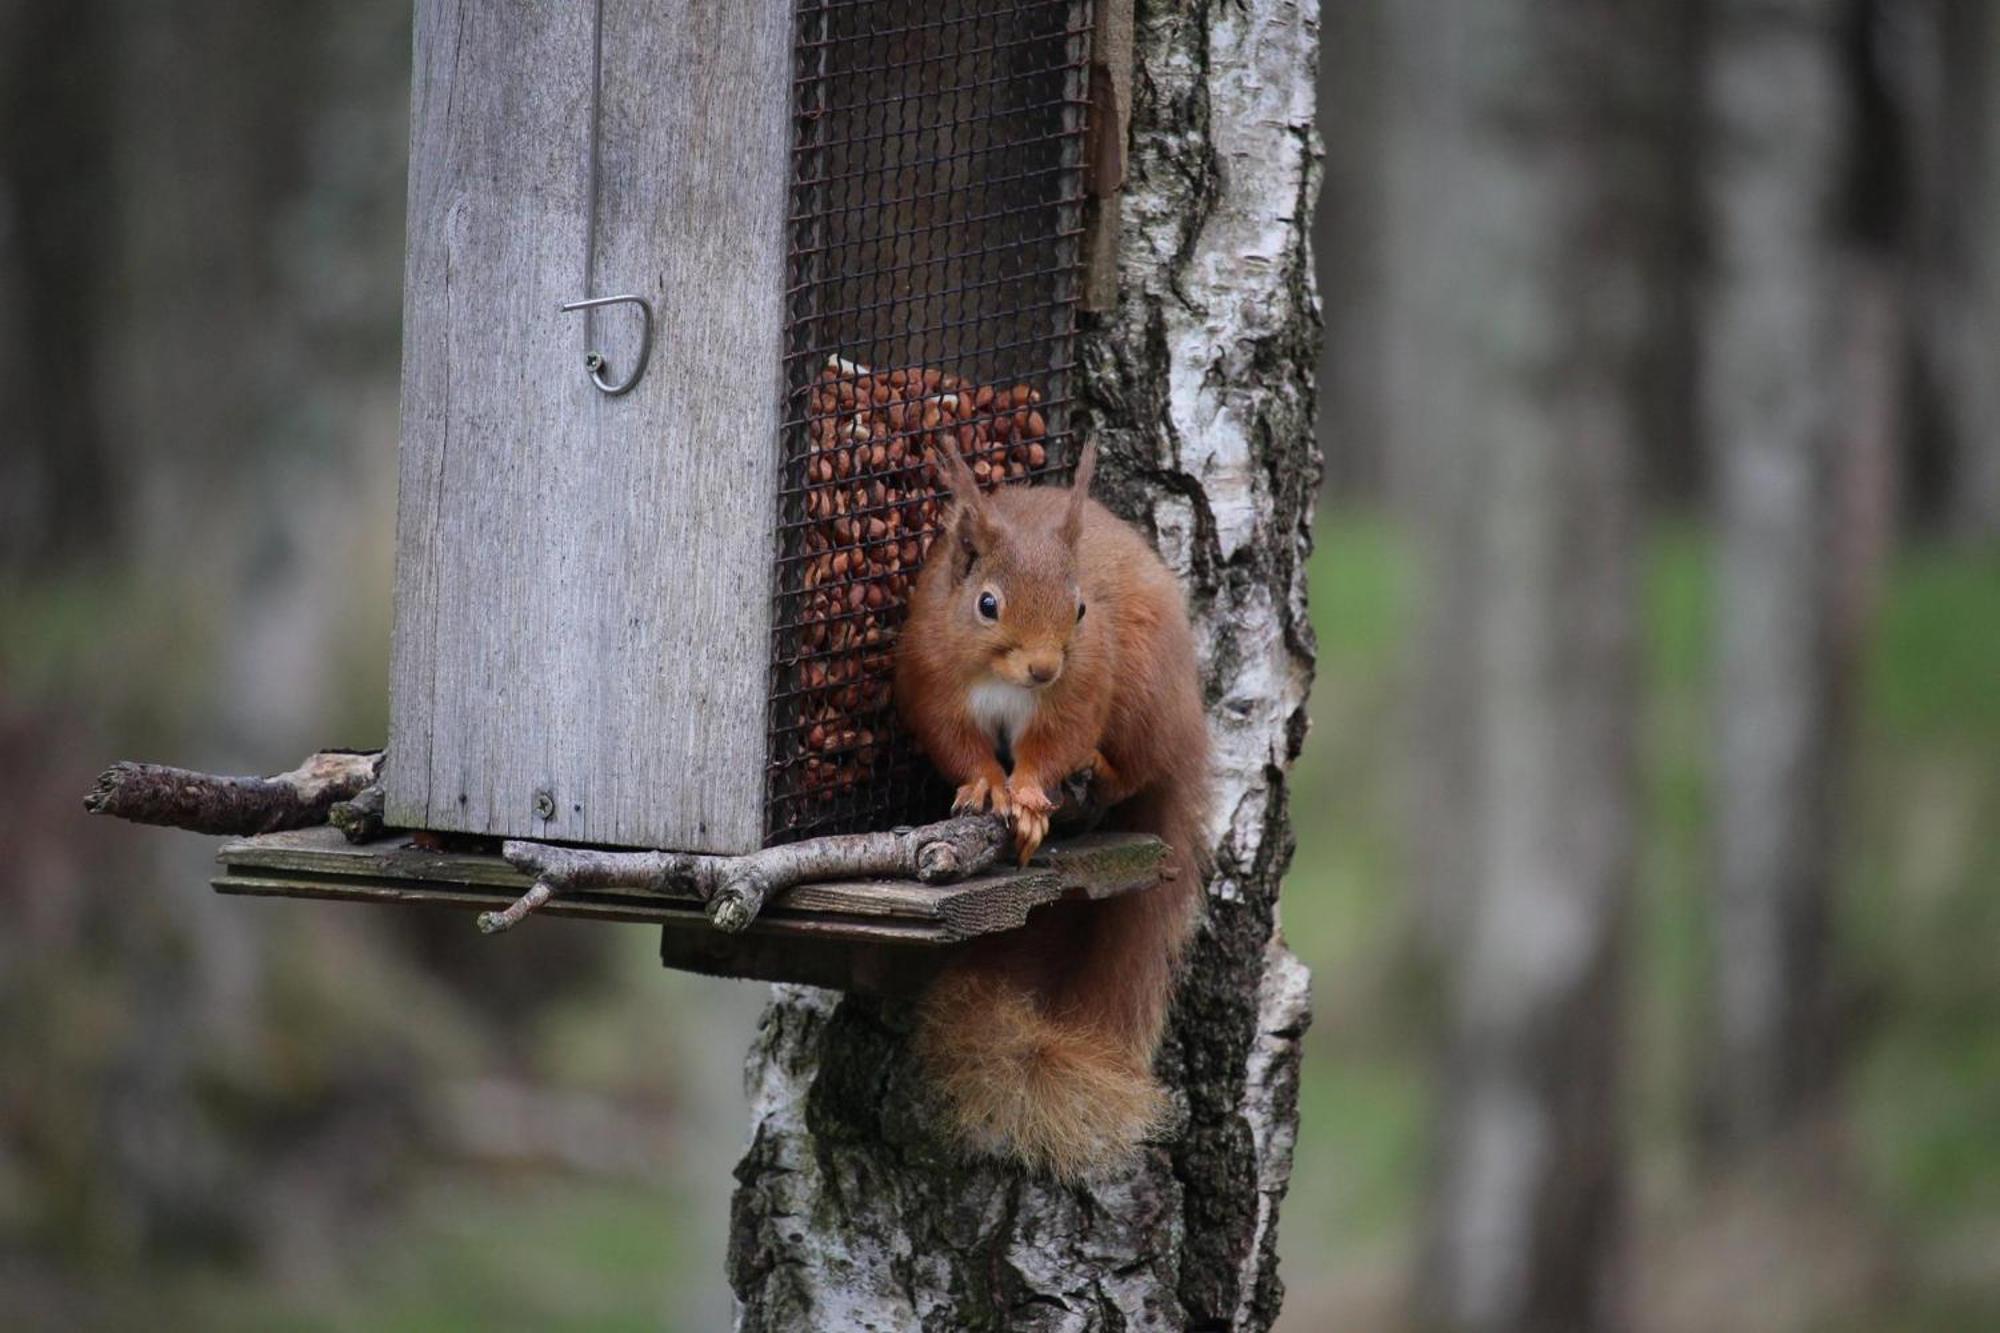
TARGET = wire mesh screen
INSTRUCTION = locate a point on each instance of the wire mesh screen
(937, 205)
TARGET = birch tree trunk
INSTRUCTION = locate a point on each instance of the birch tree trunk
(850, 1213)
(1524, 183)
(1789, 394)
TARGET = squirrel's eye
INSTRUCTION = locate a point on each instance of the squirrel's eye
(989, 606)
(1080, 609)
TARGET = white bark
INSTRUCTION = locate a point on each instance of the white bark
(1777, 403)
(851, 1213)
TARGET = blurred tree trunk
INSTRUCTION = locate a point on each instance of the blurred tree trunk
(849, 1214)
(1526, 185)
(57, 482)
(1348, 246)
(1674, 472)
(1954, 80)
(200, 259)
(1802, 341)
(1387, 134)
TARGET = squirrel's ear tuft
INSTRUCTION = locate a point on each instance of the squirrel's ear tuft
(964, 487)
(1079, 491)
(1086, 469)
(969, 531)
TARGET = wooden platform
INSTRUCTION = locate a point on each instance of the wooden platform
(874, 936)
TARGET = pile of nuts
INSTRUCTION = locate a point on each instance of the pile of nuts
(874, 493)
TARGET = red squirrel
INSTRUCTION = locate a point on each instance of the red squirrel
(1046, 638)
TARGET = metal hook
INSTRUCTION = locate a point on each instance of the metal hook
(595, 363)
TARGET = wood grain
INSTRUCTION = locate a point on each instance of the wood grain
(1104, 160)
(583, 583)
(860, 967)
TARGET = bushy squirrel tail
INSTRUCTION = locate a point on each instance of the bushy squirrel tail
(1040, 1042)
(1056, 1095)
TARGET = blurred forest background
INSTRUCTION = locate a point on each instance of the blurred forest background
(1647, 861)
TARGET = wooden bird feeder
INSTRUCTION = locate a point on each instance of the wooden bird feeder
(695, 298)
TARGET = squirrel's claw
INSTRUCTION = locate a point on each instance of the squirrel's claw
(1030, 827)
(1031, 817)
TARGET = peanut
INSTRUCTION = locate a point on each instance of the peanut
(872, 505)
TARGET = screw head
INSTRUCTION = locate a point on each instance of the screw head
(593, 362)
(545, 805)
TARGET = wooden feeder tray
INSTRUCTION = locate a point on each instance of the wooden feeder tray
(882, 937)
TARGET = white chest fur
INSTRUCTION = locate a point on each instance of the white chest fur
(1002, 710)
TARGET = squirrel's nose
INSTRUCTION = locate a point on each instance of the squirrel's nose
(1043, 672)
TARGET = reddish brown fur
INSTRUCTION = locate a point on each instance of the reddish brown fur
(1042, 1040)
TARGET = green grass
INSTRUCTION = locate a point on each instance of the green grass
(1920, 937)
(473, 1251)
(1934, 668)
(1362, 1092)
(1671, 959)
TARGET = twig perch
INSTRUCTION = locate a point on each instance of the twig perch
(208, 803)
(360, 819)
(343, 787)
(510, 916)
(737, 887)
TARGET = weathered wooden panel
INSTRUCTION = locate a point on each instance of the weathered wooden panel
(874, 936)
(583, 582)
(1095, 865)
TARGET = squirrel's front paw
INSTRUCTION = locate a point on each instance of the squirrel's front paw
(1030, 796)
(979, 795)
(1102, 781)
(1031, 817)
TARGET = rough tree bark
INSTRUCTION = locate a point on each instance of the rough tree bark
(1790, 396)
(1525, 167)
(210, 803)
(850, 1212)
